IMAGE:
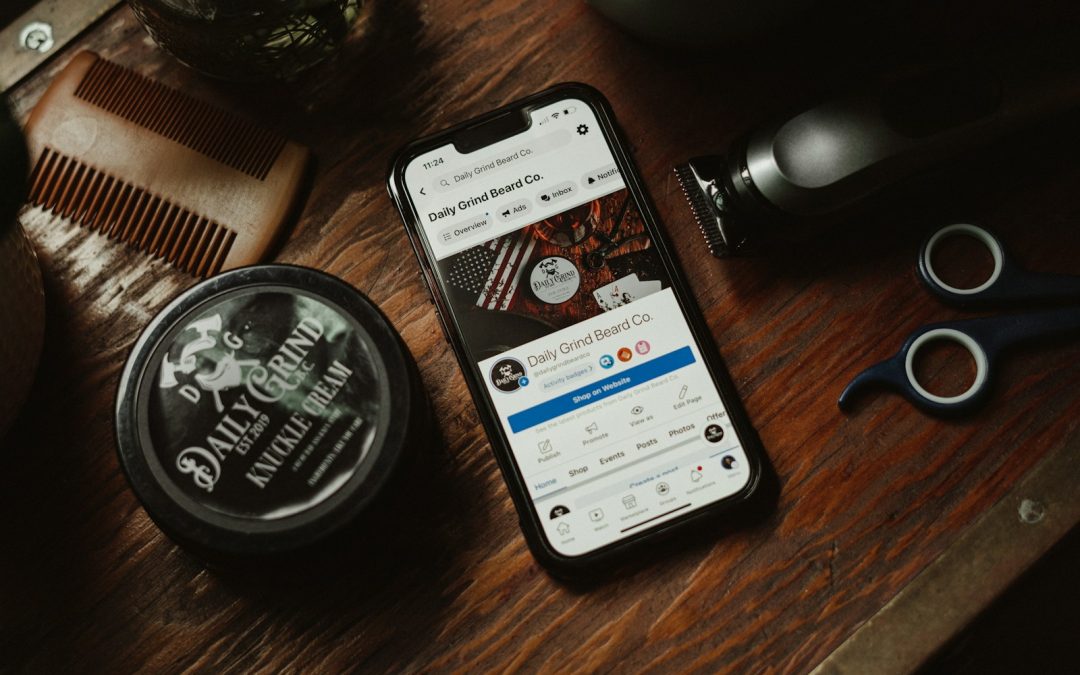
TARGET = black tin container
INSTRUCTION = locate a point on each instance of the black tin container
(265, 410)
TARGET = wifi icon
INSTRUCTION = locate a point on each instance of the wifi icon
(555, 115)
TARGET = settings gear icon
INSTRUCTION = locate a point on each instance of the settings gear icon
(582, 129)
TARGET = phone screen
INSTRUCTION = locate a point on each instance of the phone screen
(568, 315)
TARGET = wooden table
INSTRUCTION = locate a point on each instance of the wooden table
(868, 501)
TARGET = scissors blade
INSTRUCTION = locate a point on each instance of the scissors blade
(41, 32)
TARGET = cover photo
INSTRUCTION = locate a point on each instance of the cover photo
(552, 274)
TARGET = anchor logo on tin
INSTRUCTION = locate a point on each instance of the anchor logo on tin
(227, 370)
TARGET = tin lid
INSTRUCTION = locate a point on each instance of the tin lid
(263, 410)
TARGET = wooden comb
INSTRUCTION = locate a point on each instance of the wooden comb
(172, 176)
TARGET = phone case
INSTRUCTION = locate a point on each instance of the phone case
(596, 562)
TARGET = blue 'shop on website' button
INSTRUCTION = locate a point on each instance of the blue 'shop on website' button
(601, 389)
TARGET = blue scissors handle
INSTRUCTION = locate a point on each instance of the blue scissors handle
(984, 338)
(1009, 283)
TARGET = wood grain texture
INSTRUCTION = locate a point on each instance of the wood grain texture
(88, 583)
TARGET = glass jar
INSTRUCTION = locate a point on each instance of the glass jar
(250, 40)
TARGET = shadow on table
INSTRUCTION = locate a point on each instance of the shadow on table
(407, 533)
(59, 515)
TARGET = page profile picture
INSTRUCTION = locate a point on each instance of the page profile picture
(508, 375)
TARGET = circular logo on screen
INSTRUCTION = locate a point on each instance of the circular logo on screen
(554, 280)
(714, 433)
(508, 375)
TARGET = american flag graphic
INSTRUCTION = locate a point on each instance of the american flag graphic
(493, 269)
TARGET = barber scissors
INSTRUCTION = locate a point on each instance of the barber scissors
(985, 338)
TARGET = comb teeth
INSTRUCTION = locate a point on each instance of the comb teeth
(203, 127)
(117, 209)
(701, 209)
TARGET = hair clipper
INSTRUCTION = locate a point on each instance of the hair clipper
(791, 179)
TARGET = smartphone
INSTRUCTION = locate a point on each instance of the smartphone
(610, 414)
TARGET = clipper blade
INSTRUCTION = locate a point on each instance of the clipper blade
(700, 179)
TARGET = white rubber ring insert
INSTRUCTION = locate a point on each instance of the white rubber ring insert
(976, 232)
(964, 340)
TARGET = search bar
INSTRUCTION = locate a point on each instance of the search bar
(512, 156)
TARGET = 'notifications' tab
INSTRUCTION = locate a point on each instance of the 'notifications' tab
(600, 177)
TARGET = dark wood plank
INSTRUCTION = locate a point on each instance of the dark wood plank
(87, 582)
